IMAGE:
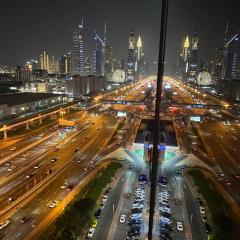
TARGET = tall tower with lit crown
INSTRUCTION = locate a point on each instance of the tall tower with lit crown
(185, 49)
(139, 48)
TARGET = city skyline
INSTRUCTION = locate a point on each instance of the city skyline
(55, 35)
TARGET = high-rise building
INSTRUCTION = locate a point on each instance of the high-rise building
(65, 64)
(24, 74)
(218, 72)
(107, 56)
(193, 58)
(218, 64)
(108, 63)
(231, 69)
(44, 61)
(78, 51)
(131, 60)
(32, 64)
(53, 65)
(122, 64)
(87, 66)
(79, 86)
(98, 61)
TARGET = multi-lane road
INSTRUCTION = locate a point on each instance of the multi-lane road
(38, 169)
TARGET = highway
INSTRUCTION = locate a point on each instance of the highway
(67, 155)
(89, 142)
(219, 133)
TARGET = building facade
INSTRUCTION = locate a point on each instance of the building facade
(65, 64)
(83, 85)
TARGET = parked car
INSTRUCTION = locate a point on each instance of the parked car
(98, 213)
(90, 232)
(122, 218)
(180, 226)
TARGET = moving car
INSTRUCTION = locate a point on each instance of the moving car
(4, 224)
(11, 168)
(179, 226)
(54, 160)
(53, 204)
(25, 219)
(29, 176)
(37, 166)
(8, 163)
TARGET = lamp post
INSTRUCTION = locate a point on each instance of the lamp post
(154, 167)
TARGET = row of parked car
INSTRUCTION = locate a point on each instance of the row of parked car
(166, 223)
(136, 218)
(204, 216)
(97, 214)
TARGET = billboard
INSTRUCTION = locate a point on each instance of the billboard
(195, 118)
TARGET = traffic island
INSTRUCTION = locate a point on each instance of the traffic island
(78, 215)
(222, 223)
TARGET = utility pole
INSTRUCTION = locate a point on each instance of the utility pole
(155, 153)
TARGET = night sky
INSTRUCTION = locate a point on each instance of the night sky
(30, 26)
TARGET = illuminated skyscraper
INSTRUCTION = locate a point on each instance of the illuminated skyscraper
(53, 65)
(107, 56)
(131, 60)
(140, 59)
(44, 61)
(78, 51)
(98, 61)
(232, 58)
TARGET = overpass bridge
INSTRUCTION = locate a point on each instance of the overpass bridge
(39, 117)
(197, 105)
(175, 104)
(122, 102)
